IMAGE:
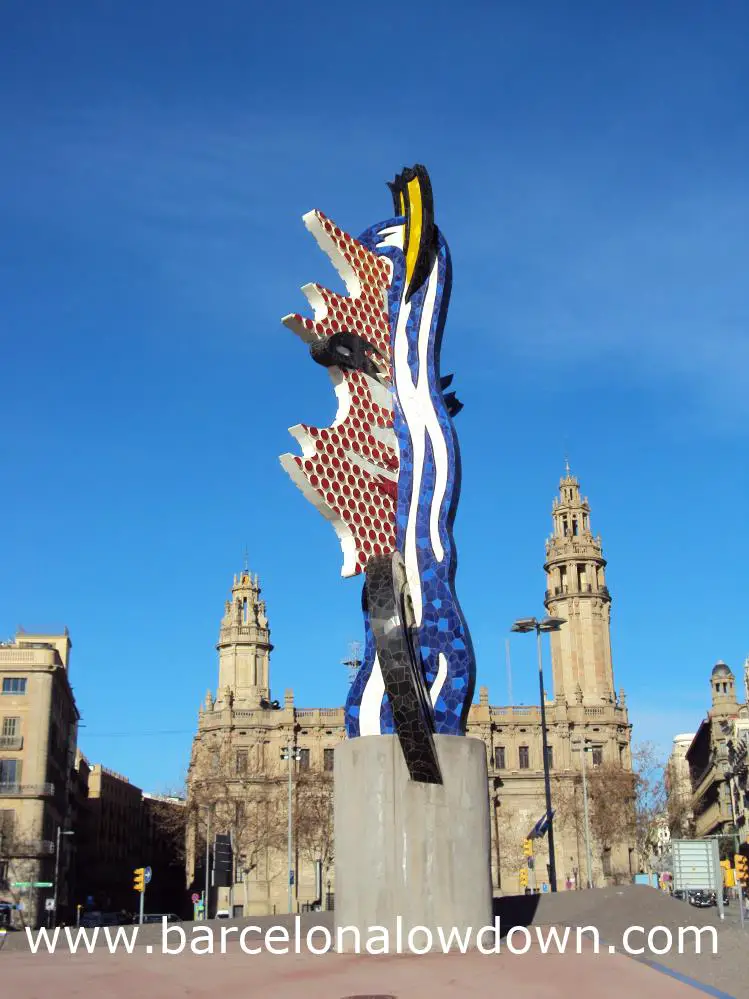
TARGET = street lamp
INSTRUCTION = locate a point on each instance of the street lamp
(60, 832)
(524, 625)
(583, 748)
(290, 753)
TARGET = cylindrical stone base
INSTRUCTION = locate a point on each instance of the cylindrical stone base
(415, 851)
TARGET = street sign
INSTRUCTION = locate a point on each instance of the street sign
(545, 887)
(42, 884)
(49, 905)
(195, 897)
(147, 875)
(21, 884)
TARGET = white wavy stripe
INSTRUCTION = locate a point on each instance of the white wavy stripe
(439, 680)
(410, 406)
(427, 410)
(421, 418)
(371, 701)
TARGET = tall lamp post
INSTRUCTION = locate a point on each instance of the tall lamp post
(60, 833)
(524, 625)
(290, 754)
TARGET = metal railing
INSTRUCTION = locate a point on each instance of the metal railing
(11, 742)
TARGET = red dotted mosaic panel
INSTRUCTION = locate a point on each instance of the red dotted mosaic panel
(363, 499)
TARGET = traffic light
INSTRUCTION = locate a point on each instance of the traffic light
(728, 876)
(528, 848)
(742, 868)
(523, 879)
(139, 879)
(223, 862)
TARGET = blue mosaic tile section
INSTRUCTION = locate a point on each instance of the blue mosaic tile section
(443, 629)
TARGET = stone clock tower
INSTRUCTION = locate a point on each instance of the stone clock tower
(576, 591)
(244, 647)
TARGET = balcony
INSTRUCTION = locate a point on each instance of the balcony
(34, 848)
(18, 657)
(11, 742)
(576, 591)
(27, 790)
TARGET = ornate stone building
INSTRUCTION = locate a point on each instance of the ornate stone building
(238, 780)
(718, 759)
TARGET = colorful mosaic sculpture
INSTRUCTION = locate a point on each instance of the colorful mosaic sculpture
(386, 473)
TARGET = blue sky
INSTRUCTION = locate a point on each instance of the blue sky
(589, 170)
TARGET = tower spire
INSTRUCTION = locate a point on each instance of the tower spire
(244, 646)
(576, 591)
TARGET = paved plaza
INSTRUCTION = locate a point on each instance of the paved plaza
(333, 976)
(535, 975)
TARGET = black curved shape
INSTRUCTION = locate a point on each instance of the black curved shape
(453, 404)
(420, 229)
(346, 350)
(392, 622)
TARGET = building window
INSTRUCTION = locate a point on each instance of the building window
(11, 727)
(499, 757)
(241, 763)
(4, 875)
(597, 756)
(327, 760)
(524, 759)
(10, 772)
(14, 684)
(550, 757)
(304, 759)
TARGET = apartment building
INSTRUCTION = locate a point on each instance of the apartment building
(38, 734)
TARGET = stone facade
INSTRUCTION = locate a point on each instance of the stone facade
(242, 734)
(38, 733)
(720, 794)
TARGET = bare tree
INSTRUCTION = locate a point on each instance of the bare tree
(314, 818)
(229, 790)
(511, 833)
(652, 807)
(678, 790)
(612, 792)
(20, 855)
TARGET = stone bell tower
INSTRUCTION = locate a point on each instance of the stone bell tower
(576, 591)
(244, 647)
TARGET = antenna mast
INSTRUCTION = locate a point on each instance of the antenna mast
(509, 672)
(353, 662)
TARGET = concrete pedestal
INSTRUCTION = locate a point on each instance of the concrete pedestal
(409, 850)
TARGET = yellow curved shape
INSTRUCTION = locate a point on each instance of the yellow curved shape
(415, 217)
